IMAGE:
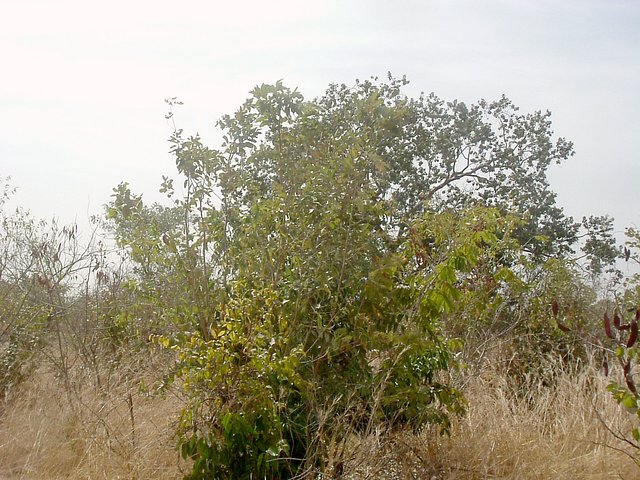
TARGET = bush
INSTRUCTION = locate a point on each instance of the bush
(305, 275)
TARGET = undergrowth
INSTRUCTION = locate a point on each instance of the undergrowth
(553, 431)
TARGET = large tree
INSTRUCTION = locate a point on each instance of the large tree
(312, 257)
(417, 154)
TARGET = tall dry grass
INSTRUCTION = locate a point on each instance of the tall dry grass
(551, 430)
(52, 430)
(560, 430)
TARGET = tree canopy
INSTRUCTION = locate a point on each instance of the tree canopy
(312, 259)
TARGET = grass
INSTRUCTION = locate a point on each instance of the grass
(49, 432)
(547, 430)
(544, 431)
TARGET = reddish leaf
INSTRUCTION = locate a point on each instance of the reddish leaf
(555, 308)
(607, 326)
(634, 333)
(562, 327)
(631, 385)
(617, 321)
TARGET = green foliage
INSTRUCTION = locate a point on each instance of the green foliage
(553, 315)
(600, 245)
(306, 274)
(239, 385)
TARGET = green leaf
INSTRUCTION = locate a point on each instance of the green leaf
(630, 402)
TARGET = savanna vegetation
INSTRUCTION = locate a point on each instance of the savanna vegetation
(362, 285)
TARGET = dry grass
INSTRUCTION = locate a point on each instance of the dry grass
(549, 432)
(49, 432)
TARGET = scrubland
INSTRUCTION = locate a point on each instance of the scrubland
(323, 295)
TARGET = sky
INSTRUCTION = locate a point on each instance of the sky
(83, 83)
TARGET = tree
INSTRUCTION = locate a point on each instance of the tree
(309, 268)
(416, 153)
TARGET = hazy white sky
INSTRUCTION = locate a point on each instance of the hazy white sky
(82, 83)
